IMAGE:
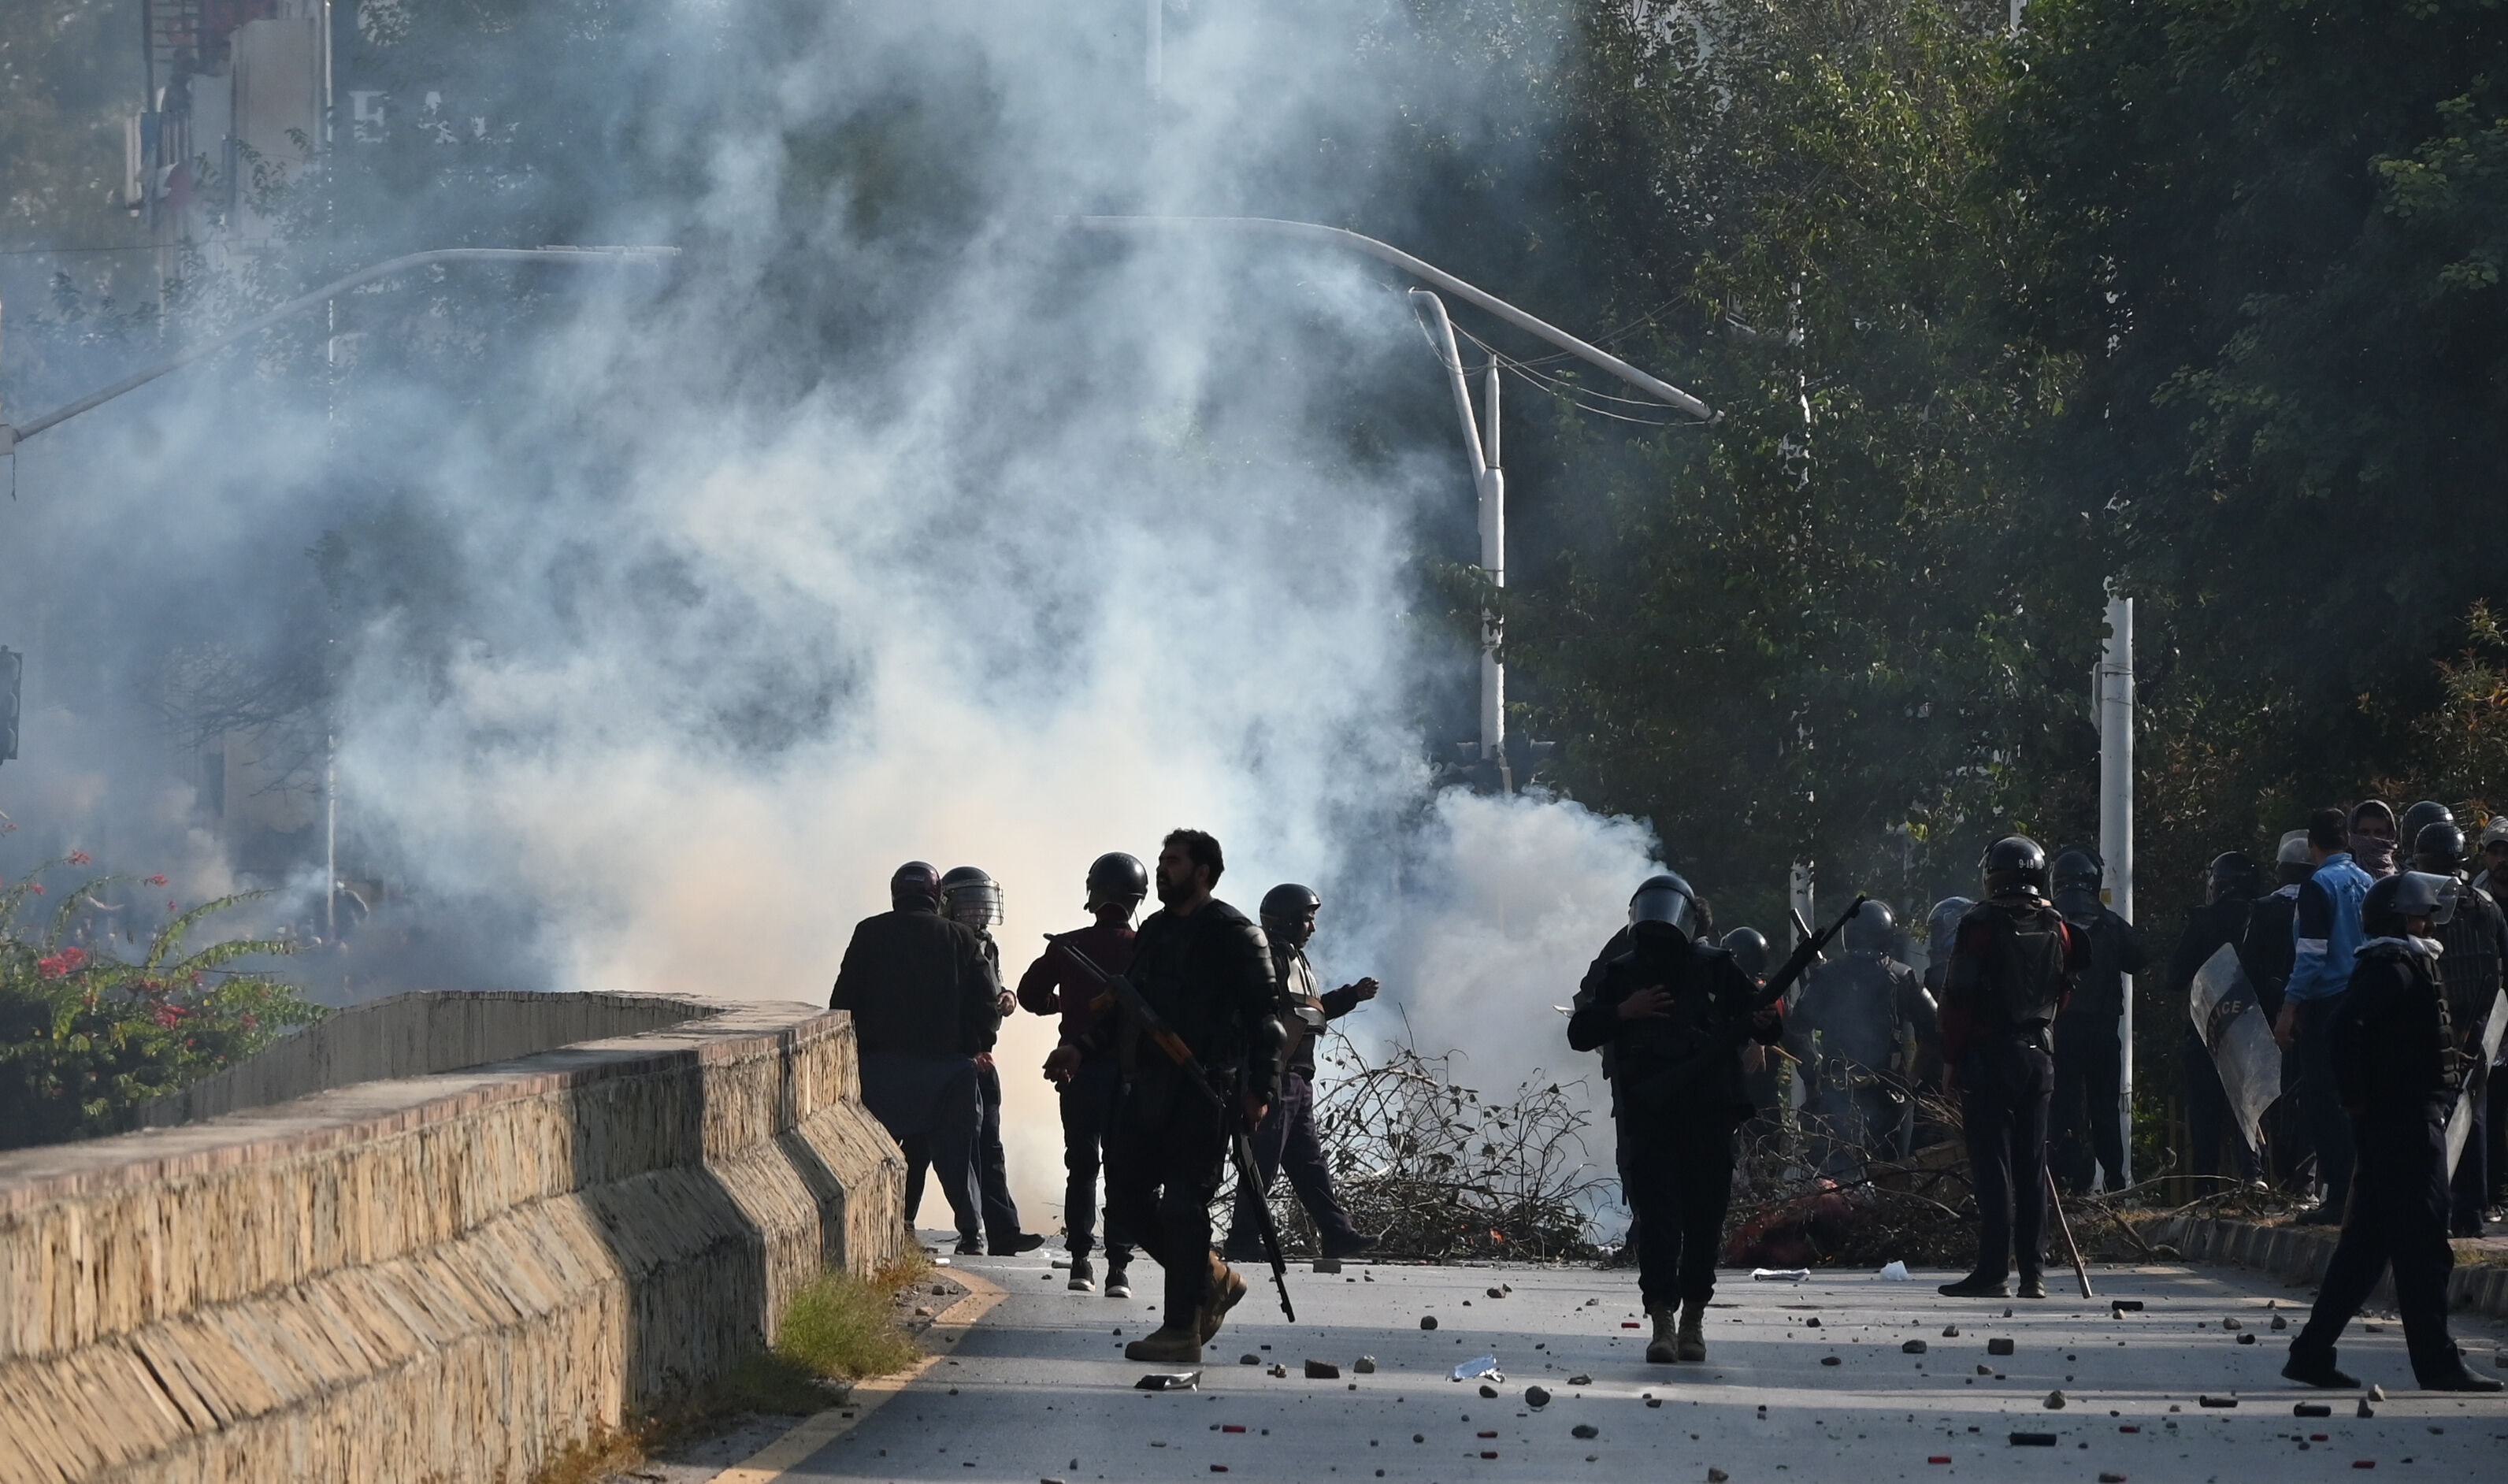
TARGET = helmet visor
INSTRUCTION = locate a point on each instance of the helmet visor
(1662, 904)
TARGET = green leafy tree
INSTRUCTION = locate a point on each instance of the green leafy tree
(86, 1036)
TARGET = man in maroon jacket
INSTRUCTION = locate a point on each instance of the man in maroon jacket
(1083, 1065)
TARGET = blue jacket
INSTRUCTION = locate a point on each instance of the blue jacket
(2325, 930)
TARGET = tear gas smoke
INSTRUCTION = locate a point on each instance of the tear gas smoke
(700, 615)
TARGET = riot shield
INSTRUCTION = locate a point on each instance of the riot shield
(2223, 1006)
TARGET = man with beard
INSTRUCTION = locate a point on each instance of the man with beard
(2474, 938)
(2013, 965)
(923, 1001)
(2398, 1070)
(1674, 1015)
(2221, 921)
(1852, 1030)
(1286, 1139)
(2089, 1108)
(1207, 972)
(2325, 933)
(1083, 1066)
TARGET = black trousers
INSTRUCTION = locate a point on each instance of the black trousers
(1089, 1100)
(2495, 1133)
(1163, 1167)
(2006, 1083)
(2320, 1106)
(1286, 1139)
(2089, 1077)
(2397, 1217)
(1679, 1175)
(2210, 1121)
(929, 1106)
(992, 1166)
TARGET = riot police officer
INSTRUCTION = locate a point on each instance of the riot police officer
(2230, 885)
(2089, 1110)
(1856, 1030)
(970, 895)
(2398, 1070)
(1673, 1013)
(1286, 1137)
(2013, 965)
(2475, 937)
(1083, 1066)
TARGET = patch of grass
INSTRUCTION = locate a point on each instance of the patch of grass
(595, 1458)
(839, 1326)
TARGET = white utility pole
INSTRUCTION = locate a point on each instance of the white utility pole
(2115, 689)
(1479, 442)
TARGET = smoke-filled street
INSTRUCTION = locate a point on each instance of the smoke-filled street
(1037, 1390)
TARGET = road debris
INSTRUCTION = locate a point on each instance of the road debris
(2001, 1346)
(1478, 1366)
(1322, 1370)
(1169, 1381)
(1366, 1366)
(1912, 1348)
(1537, 1397)
(1585, 1431)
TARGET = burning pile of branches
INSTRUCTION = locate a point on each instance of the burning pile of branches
(1438, 1170)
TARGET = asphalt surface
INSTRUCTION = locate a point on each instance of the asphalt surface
(1039, 1390)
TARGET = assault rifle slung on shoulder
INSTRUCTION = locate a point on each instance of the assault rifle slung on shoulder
(1124, 995)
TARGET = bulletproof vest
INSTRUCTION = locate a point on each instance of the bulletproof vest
(1673, 963)
(2407, 1055)
(2024, 969)
(1301, 1009)
(2469, 969)
(1854, 1004)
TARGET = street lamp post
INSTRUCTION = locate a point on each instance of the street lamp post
(1481, 442)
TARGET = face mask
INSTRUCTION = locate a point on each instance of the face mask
(2079, 903)
(2373, 853)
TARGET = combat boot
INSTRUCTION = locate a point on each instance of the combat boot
(1084, 1276)
(1665, 1347)
(1692, 1340)
(1221, 1294)
(1171, 1345)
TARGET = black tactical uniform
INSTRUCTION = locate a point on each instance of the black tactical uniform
(1208, 975)
(1286, 1141)
(2221, 921)
(2012, 966)
(2087, 1118)
(1677, 1092)
(2474, 938)
(1860, 1016)
(2398, 1069)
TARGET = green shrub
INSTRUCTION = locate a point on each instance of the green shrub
(86, 1036)
(841, 1326)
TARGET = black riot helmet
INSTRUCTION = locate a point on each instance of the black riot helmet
(2078, 866)
(1666, 899)
(1288, 913)
(1116, 878)
(915, 887)
(2014, 866)
(1869, 931)
(2419, 817)
(2386, 912)
(1750, 949)
(2231, 875)
(1941, 928)
(969, 896)
(2439, 848)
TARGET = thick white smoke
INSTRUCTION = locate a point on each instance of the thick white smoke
(1073, 551)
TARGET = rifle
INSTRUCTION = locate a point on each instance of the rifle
(1240, 1134)
(1796, 965)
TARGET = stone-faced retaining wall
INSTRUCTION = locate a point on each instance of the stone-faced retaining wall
(446, 1278)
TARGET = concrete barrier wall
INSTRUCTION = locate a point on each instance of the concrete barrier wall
(2298, 1255)
(415, 1035)
(445, 1278)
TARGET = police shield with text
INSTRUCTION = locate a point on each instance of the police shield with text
(2013, 963)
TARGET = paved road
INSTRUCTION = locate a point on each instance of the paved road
(1040, 1388)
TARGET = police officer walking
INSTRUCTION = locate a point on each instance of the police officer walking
(1286, 1137)
(2088, 1116)
(1856, 1029)
(1206, 971)
(2398, 1069)
(923, 1001)
(969, 896)
(1673, 1013)
(1083, 1065)
(2012, 964)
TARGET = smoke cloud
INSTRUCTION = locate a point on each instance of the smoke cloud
(975, 540)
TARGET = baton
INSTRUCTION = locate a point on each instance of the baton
(2055, 1203)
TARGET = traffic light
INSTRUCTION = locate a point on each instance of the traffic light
(13, 669)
